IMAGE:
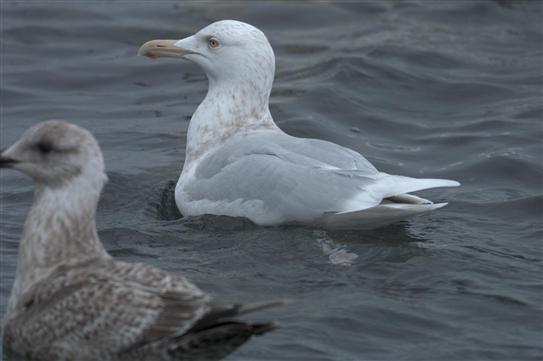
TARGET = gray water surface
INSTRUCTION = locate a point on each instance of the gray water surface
(444, 89)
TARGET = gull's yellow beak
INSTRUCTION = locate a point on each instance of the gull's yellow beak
(163, 49)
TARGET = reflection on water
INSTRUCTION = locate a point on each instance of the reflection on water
(336, 253)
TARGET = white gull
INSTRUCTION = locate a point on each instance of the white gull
(239, 163)
(71, 300)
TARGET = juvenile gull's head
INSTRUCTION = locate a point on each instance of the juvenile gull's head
(227, 50)
(54, 153)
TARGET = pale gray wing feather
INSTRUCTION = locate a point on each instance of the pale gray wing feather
(312, 153)
(296, 179)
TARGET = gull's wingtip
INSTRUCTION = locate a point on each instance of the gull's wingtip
(435, 206)
(445, 183)
(257, 306)
(262, 328)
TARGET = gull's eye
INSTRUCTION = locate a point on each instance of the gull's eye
(213, 43)
(45, 147)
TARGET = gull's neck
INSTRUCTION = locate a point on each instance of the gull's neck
(60, 229)
(229, 108)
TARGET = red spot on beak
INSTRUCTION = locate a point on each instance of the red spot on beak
(151, 55)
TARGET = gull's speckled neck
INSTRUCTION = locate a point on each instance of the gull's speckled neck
(67, 167)
(226, 111)
(240, 76)
(60, 229)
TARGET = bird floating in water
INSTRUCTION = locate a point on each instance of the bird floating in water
(71, 300)
(239, 163)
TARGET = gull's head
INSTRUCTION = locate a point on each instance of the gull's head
(227, 50)
(54, 153)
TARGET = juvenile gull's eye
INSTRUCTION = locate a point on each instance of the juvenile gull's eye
(45, 147)
(213, 43)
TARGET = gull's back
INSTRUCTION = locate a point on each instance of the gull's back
(107, 310)
(103, 307)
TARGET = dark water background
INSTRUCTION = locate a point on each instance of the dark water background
(449, 89)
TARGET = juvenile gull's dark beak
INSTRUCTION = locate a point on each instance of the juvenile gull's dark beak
(6, 162)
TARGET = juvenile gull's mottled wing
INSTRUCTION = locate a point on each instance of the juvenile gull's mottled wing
(111, 307)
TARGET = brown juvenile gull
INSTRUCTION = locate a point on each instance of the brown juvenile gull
(71, 300)
(239, 163)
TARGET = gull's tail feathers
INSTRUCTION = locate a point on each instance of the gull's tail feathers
(216, 341)
(391, 203)
(220, 332)
(223, 313)
(385, 213)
